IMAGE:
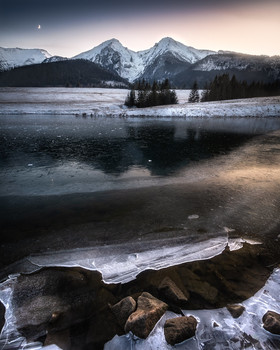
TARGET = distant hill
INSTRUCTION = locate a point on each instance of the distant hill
(62, 73)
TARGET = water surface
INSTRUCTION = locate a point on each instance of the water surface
(69, 182)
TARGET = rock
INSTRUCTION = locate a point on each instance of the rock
(169, 290)
(53, 300)
(179, 329)
(196, 285)
(61, 339)
(149, 311)
(123, 309)
(271, 322)
(236, 310)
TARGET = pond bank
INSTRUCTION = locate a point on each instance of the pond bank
(88, 102)
(73, 304)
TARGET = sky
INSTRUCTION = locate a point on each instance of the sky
(69, 27)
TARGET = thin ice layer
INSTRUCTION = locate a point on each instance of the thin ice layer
(245, 332)
(121, 263)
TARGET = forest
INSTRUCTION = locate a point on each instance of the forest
(143, 94)
(224, 87)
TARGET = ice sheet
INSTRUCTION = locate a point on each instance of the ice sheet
(245, 332)
(121, 263)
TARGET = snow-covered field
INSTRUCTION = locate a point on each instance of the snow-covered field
(109, 102)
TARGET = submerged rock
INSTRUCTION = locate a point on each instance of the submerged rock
(171, 292)
(149, 311)
(236, 310)
(123, 309)
(196, 285)
(271, 322)
(179, 329)
(61, 339)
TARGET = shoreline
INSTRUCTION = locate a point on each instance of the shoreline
(97, 102)
(232, 277)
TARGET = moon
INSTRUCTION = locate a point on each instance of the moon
(39, 26)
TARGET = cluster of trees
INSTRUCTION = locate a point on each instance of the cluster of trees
(143, 94)
(225, 88)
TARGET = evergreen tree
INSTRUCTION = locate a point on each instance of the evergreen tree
(224, 88)
(147, 95)
(205, 94)
(130, 99)
(194, 94)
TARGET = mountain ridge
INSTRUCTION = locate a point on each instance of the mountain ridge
(168, 58)
(130, 64)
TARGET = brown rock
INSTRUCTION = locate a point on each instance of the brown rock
(271, 322)
(123, 309)
(236, 310)
(149, 311)
(179, 329)
(170, 291)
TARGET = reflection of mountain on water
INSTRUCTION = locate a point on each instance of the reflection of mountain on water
(115, 146)
(163, 148)
(163, 153)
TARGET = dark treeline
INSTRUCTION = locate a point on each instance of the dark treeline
(143, 94)
(225, 88)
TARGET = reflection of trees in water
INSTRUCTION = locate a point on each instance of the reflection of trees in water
(154, 147)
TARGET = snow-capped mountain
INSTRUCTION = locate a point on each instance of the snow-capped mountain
(132, 65)
(16, 57)
(168, 58)
(178, 50)
(114, 56)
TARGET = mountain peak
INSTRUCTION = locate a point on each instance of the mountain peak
(168, 40)
(111, 42)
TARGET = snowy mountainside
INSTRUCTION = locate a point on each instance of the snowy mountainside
(225, 61)
(16, 57)
(112, 55)
(132, 65)
(245, 67)
(168, 45)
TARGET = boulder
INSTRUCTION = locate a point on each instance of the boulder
(179, 329)
(149, 311)
(236, 310)
(123, 309)
(171, 292)
(271, 322)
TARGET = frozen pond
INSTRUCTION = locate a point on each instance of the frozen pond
(122, 195)
(70, 182)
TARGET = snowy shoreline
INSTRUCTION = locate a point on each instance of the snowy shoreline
(109, 102)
